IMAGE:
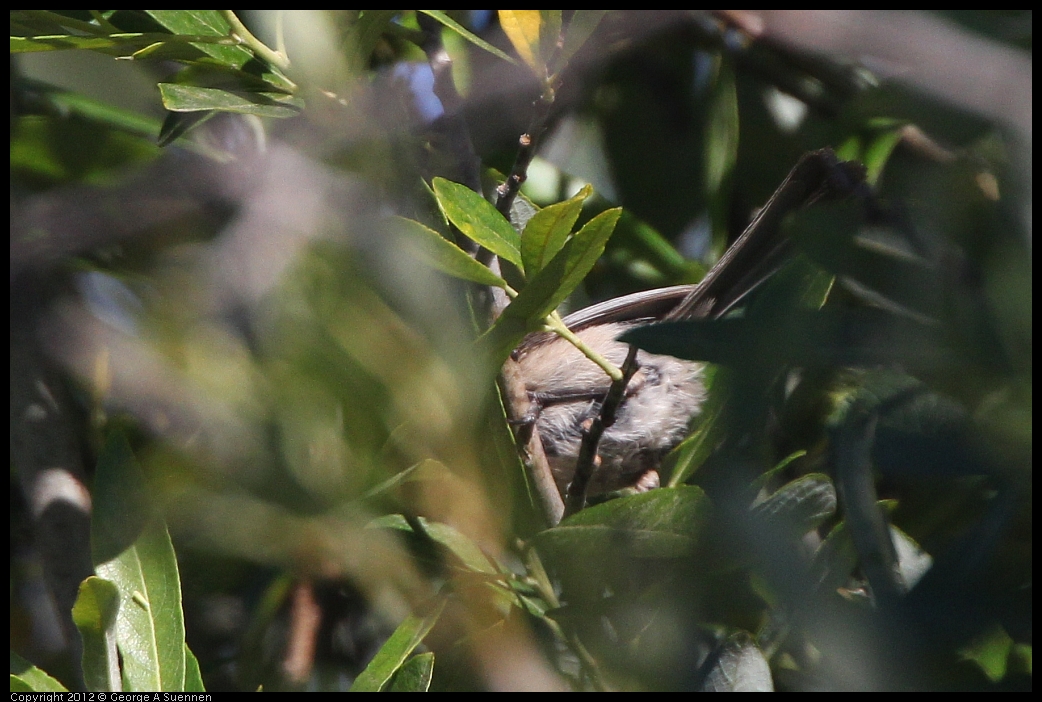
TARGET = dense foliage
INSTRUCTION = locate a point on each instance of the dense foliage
(257, 433)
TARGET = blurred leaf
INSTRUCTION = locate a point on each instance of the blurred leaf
(580, 27)
(802, 504)
(737, 665)
(882, 265)
(990, 652)
(657, 524)
(547, 231)
(721, 150)
(469, 554)
(95, 616)
(828, 337)
(478, 219)
(190, 98)
(941, 120)
(467, 34)
(414, 675)
(51, 150)
(132, 549)
(26, 677)
(396, 650)
(447, 257)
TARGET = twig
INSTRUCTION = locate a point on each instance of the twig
(305, 619)
(519, 410)
(586, 463)
(527, 145)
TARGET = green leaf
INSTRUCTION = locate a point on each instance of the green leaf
(193, 676)
(447, 257)
(132, 549)
(203, 23)
(478, 219)
(547, 231)
(467, 34)
(469, 554)
(190, 98)
(551, 285)
(396, 650)
(94, 614)
(657, 524)
(26, 677)
(414, 675)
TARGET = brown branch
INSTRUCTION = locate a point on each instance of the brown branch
(588, 460)
(520, 414)
(527, 145)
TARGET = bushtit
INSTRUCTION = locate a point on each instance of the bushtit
(567, 389)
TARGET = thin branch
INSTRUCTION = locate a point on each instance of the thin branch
(588, 459)
(520, 414)
(258, 47)
(527, 145)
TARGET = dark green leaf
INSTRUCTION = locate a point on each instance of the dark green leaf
(478, 219)
(657, 524)
(396, 650)
(446, 256)
(190, 98)
(828, 337)
(204, 23)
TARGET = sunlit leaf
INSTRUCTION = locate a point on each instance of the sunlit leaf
(447, 257)
(478, 219)
(132, 549)
(94, 614)
(414, 675)
(389, 659)
(547, 231)
(26, 677)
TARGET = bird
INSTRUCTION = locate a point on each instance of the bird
(567, 390)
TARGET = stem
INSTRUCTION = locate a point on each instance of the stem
(556, 325)
(258, 47)
(586, 463)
